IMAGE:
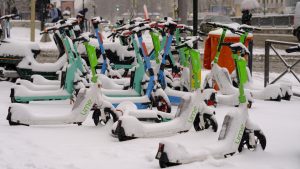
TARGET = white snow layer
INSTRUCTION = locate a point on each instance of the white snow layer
(91, 147)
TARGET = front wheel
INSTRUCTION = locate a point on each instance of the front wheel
(298, 34)
(251, 139)
(162, 105)
(96, 116)
(209, 121)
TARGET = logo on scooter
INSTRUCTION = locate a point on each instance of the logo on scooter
(193, 115)
(240, 134)
(87, 107)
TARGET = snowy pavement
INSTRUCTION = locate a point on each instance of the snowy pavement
(92, 147)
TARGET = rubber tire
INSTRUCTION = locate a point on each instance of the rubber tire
(96, 116)
(209, 122)
(164, 161)
(298, 34)
(165, 107)
(260, 138)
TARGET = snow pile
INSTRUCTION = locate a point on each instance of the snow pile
(87, 146)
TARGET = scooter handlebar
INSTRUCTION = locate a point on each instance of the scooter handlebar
(49, 29)
(98, 20)
(80, 39)
(187, 28)
(8, 16)
(293, 49)
(218, 25)
(189, 43)
(248, 28)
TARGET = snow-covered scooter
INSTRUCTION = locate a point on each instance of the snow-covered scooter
(39, 114)
(22, 62)
(223, 79)
(269, 92)
(25, 91)
(237, 129)
(191, 111)
(129, 127)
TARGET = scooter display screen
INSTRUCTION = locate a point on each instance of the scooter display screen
(183, 106)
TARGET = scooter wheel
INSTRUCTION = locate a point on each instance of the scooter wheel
(278, 99)
(164, 161)
(209, 121)
(4, 78)
(287, 97)
(249, 105)
(96, 116)
(162, 105)
(259, 139)
(120, 132)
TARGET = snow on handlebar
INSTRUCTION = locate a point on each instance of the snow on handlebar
(98, 20)
(225, 26)
(190, 43)
(293, 49)
(8, 16)
(248, 28)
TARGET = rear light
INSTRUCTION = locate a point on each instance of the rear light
(160, 151)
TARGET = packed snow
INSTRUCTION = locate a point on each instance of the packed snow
(89, 146)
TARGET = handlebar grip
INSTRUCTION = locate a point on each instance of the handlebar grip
(202, 33)
(79, 39)
(92, 36)
(293, 49)
(181, 46)
(226, 43)
(112, 34)
(211, 24)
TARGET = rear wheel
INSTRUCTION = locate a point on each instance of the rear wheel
(259, 138)
(298, 34)
(96, 116)
(162, 105)
(209, 121)
(4, 78)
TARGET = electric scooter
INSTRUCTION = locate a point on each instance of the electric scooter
(70, 80)
(268, 91)
(38, 114)
(22, 62)
(191, 111)
(223, 79)
(237, 129)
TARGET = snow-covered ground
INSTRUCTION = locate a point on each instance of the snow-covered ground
(92, 147)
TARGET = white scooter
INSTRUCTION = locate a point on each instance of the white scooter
(237, 130)
(129, 127)
(224, 80)
(39, 114)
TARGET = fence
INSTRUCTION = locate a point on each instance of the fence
(273, 20)
(269, 21)
(269, 44)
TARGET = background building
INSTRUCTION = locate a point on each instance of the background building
(116, 9)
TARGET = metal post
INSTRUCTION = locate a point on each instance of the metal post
(32, 23)
(250, 58)
(195, 20)
(82, 5)
(264, 7)
(267, 56)
(44, 6)
(182, 11)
